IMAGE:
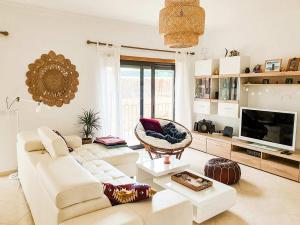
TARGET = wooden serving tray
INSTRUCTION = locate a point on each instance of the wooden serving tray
(191, 181)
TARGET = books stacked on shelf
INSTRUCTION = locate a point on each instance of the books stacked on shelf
(111, 142)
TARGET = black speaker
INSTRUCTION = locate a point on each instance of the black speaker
(228, 131)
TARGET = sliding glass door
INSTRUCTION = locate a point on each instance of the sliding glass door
(147, 90)
(164, 93)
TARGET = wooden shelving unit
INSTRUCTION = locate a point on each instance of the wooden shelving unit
(228, 101)
(202, 99)
(247, 75)
(249, 85)
(207, 76)
(274, 162)
(234, 85)
(287, 166)
(271, 74)
(207, 105)
(228, 76)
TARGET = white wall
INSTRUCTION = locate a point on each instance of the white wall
(261, 29)
(34, 31)
(267, 29)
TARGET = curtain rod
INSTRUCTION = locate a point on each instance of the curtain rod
(138, 48)
(5, 33)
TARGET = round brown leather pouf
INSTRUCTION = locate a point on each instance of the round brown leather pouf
(223, 170)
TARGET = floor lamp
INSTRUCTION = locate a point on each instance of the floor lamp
(9, 106)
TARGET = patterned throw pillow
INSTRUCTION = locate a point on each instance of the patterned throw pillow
(151, 124)
(59, 134)
(121, 194)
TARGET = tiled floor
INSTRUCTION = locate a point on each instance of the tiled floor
(263, 199)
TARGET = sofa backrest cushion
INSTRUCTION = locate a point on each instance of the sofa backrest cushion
(67, 183)
(30, 141)
(53, 143)
(73, 141)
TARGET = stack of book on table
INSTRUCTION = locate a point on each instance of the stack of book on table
(111, 142)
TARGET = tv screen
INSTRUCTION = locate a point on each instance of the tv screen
(272, 128)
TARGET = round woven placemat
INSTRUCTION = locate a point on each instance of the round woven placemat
(52, 80)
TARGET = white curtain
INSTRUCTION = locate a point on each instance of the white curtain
(109, 78)
(183, 90)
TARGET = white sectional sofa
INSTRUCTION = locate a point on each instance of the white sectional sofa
(66, 189)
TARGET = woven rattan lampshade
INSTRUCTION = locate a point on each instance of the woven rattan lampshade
(181, 23)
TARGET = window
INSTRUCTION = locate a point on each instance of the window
(147, 90)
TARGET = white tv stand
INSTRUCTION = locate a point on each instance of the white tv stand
(265, 158)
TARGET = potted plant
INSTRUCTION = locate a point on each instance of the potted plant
(90, 122)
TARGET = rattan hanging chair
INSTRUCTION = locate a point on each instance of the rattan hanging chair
(158, 147)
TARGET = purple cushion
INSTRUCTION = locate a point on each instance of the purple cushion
(151, 124)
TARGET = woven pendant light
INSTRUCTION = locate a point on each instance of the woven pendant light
(181, 23)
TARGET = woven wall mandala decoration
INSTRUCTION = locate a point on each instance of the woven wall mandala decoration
(52, 80)
(181, 23)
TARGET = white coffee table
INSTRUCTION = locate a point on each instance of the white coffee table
(207, 203)
(149, 169)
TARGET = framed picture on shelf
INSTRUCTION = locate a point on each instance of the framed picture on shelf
(293, 64)
(273, 65)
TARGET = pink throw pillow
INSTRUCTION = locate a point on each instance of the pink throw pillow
(151, 124)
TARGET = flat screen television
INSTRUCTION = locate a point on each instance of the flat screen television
(269, 127)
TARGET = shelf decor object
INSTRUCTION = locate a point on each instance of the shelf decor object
(181, 23)
(293, 64)
(52, 80)
(273, 65)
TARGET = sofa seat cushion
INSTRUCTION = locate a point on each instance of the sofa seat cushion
(115, 157)
(106, 173)
(67, 183)
(118, 215)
